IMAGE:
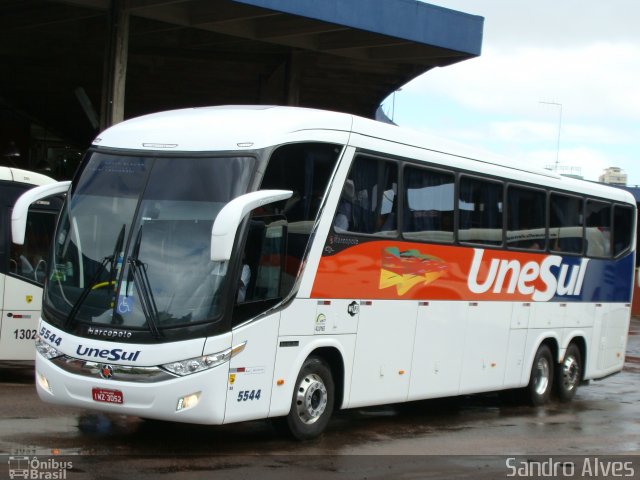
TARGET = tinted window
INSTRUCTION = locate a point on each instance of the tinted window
(598, 229)
(428, 213)
(565, 223)
(306, 169)
(526, 218)
(480, 207)
(30, 260)
(368, 203)
(622, 228)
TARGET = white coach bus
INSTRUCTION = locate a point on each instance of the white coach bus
(215, 265)
(23, 267)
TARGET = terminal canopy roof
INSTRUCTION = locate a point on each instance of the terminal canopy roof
(344, 55)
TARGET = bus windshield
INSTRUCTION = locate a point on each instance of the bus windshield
(132, 249)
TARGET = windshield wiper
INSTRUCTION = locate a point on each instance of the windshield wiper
(138, 271)
(113, 259)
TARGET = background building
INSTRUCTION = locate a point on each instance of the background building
(613, 176)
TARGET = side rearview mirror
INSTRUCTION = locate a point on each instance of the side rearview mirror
(21, 207)
(226, 224)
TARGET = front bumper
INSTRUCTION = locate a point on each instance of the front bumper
(157, 400)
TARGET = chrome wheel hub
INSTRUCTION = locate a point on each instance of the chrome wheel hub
(543, 370)
(570, 373)
(311, 398)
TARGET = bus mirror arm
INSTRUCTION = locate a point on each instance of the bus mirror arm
(21, 207)
(226, 224)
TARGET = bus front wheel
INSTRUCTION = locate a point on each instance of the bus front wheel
(312, 402)
(538, 391)
(569, 374)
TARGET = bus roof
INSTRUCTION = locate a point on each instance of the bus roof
(219, 128)
(249, 127)
(24, 176)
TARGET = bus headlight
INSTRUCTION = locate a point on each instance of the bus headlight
(198, 364)
(46, 350)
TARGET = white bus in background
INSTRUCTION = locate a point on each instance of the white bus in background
(216, 265)
(23, 267)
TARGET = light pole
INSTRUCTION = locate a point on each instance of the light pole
(559, 129)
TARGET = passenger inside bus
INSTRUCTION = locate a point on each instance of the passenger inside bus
(245, 277)
(344, 213)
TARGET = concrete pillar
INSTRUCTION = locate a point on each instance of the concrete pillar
(292, 79)
(115, 66)
(271, 87)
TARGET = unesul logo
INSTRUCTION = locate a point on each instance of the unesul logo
(535, 279)
(115, 354)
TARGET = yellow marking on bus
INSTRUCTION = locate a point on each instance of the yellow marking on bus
(405, 282)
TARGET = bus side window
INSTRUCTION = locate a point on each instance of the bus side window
(565, 223)
(480, 207)
(429, 204)
(306, 169)
(623, 222)
(369, 200)
(598, 228)
(526, 220)
(250, 260)
(29, 260)
(260, 279)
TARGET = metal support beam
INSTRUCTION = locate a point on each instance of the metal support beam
(115, 67)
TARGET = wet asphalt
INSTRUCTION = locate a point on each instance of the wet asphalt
(462, 437)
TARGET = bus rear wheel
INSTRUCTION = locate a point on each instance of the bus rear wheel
(569, 374)
(538, 391)
(313, 399)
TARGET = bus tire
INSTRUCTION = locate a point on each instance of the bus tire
(540, 385)
(569, 374)
(313, 400)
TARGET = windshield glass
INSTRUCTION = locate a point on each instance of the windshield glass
(132, 248)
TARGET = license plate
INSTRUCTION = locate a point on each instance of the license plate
(107, 396)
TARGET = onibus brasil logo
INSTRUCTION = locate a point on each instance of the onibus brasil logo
(23, 466)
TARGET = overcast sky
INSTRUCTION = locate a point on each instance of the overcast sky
(583, 54)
